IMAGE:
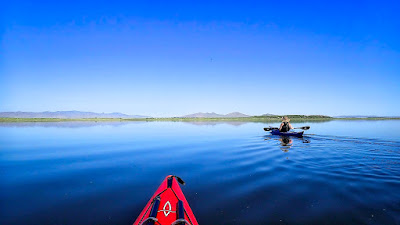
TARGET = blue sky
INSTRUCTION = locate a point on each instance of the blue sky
(172, 58)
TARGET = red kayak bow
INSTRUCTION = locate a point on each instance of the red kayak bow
(167, 206)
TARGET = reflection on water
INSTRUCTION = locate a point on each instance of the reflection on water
(286, 142)
(76, 124)
(72, 124)
(104, 173)
(211, 123)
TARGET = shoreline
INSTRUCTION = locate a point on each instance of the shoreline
(183, 119)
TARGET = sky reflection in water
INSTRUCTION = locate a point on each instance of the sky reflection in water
(341, 172)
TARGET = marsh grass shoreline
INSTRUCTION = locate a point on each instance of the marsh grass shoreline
(294, 118)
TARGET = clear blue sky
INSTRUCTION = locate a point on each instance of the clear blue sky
(171, 58)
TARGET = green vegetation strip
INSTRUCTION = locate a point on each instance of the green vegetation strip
(295, 118)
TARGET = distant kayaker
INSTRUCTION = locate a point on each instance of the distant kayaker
(285, 125)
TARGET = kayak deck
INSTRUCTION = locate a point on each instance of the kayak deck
(295, 134)
(168, 205)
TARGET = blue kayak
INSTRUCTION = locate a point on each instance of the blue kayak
(295, 134)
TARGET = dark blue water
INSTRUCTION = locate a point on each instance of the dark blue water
(342, 172)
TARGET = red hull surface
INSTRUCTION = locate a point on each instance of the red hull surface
(167, 206)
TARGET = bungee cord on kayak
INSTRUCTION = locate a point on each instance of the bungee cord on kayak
(167, 206)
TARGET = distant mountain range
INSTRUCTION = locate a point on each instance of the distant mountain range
(215, 115)
(268, 114)
(89, 115)
(67, 115)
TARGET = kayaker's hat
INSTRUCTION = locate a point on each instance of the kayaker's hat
(285, 119)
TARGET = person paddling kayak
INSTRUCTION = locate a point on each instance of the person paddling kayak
(285, 125)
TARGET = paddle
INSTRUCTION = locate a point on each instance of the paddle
(275, 128)
(270, 128)
(303, 128)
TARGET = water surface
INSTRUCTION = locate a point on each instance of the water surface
(341, 172)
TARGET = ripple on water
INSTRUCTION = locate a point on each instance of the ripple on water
(234, 175)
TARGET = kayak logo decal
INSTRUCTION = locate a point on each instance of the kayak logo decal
(167, 209)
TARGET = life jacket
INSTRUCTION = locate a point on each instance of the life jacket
(285, 127)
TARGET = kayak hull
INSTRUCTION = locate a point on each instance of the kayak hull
(168, 205)
(294, 134)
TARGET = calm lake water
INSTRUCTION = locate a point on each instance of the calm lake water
(341, 172)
